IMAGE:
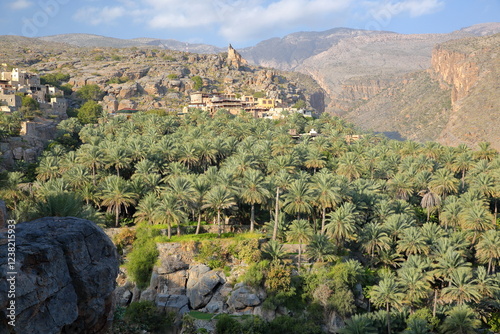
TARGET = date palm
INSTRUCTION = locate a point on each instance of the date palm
(350, 166)
(374, 238)
(314, 160)
(452, 210)
(488, 249)
(116, 193)
(200, 188)
(219, 198)
(320, 248)
(168, 211)
(300, 231)
(412, 241)
(477, 219)
(146, 208)
(253, 191)
(443, 183)
(387, 293)
(358, 324)
(327, 193)
(298, 198)
(414, 285)
(92, 157)
(118, 156)
(460, 320)
(48, 168)
(430, 201)
(342, 224)
(462, 287)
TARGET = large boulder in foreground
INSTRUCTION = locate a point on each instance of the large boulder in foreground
(66, 270)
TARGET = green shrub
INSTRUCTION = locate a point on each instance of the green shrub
(255, 274)
(246, 250)
(146, 315)
(227, 325)
(141, 262)
(212, 254)
(198, 82)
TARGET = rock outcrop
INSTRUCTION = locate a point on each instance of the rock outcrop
(234, 58)
(66, 270)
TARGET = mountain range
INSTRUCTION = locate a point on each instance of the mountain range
(380, 80)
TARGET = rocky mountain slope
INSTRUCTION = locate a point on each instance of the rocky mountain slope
(147, 77)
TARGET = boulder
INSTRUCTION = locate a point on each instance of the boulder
(66, 270)
(173, 303)
(243, 297)
(201, 284)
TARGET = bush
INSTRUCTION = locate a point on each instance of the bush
(212, 254)
(255, 274)
(146, 315)
(227, 325)
(246, 250)
(198, 82)
(141, 262)
(123, 239)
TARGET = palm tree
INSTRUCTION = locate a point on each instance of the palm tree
(448, 263)
(327, 194)
(188, 154)
(415, 285)
(115, 194)
(477, 219)
(350, 166)
(485, 151)
(452, 210)
(358, 324)
(395, 224)
(146, 208)
(300, 231)
(298, 198)
(487, 285)
(48, 168)
(387, 293)
(488, 249)
(117, 155)
(417, 326)
(219, 198)
(412, 241)
(274, 250)
(314, 159)
(169, 212)
(373, 238)
(430, 201)
(320, 249)
(90, 156)
(200, 188)
(401, 185)
(462, 164)
(460, 320)
(443, 183)
(462, 288)
(181, 188)
(342, 223)
(253, 191)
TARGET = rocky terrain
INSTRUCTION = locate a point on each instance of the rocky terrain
(148, 78)
(66, 270)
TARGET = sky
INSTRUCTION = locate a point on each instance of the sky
(240, 22)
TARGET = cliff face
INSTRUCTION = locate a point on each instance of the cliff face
(457, 69)
(66, 270)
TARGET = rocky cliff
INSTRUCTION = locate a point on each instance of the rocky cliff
(66, 270)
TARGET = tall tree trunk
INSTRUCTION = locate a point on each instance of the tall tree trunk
(169, 230)
(388, 318)
(300, 256)
(435, 303)
(323, 220)
(198, 226)
(252, 217)
(117, 215)
(276, 213)
(93, 174)
(218, 222)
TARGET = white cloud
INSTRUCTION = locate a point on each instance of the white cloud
(20, 4)
(240, 20)
(96, 16)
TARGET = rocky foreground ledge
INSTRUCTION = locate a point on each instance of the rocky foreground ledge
(66, 270)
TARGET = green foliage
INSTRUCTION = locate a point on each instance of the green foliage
(173, 76)
(141, 260)
(198, 82)
(293, 325)
(227, 325)
(117, 80)
(300, 104)
(125, 238)
(90, 112)
(90, 92)
(258, 95)
(246, 250)
(54, 79)
(213, 254)
(255, 274)
(147, 317)
(30, 104)
(116, 58)
(279, 278)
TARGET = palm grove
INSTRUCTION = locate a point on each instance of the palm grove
(414, 225)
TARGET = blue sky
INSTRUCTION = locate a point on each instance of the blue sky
(240, 22)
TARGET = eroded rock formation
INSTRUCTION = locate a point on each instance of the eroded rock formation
(66, 270)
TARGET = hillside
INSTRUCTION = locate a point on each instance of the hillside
(455, 101)
(144, 77)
